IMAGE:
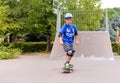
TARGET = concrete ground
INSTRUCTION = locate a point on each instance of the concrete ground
(39, 69)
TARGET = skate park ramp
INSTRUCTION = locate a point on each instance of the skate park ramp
(93, 45)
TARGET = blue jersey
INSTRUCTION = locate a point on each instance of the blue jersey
(68, 32)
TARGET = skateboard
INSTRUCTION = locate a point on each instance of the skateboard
(67, 70)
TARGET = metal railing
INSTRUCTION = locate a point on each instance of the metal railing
(88, 20)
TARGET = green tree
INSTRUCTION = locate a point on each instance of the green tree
(41, 19)
(112, 12)
(78, 4)
(34, 16)
(3, 18)
(28, 16)
(83, 19)
(8, 24)
(114, 17)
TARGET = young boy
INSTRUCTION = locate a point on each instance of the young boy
(67, 34)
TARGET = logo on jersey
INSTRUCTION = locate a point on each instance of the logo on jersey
(68, 30)
(70, 33)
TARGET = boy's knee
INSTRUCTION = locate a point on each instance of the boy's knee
(70, 53)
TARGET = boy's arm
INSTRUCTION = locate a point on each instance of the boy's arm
(62, 30)
(76, 39)
(76, 36)
(60, 38)
(61, 42)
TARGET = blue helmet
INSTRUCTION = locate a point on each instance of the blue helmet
(68, 15)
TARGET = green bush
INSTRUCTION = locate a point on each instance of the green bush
(34, 47)
(29, 46)
(9, 53)
(116, 47)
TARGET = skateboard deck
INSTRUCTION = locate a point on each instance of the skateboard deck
(67, 70)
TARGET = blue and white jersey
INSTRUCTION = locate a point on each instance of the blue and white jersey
(68, 32)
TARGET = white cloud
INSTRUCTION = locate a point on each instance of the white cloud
(110, 3)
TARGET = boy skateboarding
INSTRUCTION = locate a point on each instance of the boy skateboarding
(67, 34)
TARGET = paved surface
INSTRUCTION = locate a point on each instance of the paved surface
(37, 69)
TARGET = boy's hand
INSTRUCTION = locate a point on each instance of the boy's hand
(76, 42)
(61, 42)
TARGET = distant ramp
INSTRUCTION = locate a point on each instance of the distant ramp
(94, 45)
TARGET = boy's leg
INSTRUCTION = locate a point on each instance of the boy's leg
(68, 59)
(67, 48)
(69, 54)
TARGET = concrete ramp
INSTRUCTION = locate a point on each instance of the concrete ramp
(92, 45)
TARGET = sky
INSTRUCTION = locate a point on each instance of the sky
(110, 3)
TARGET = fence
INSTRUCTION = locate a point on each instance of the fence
(85, 20)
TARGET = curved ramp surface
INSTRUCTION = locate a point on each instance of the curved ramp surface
(92, 45)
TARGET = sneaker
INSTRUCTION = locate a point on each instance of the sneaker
(71, 65)
(68, 65)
